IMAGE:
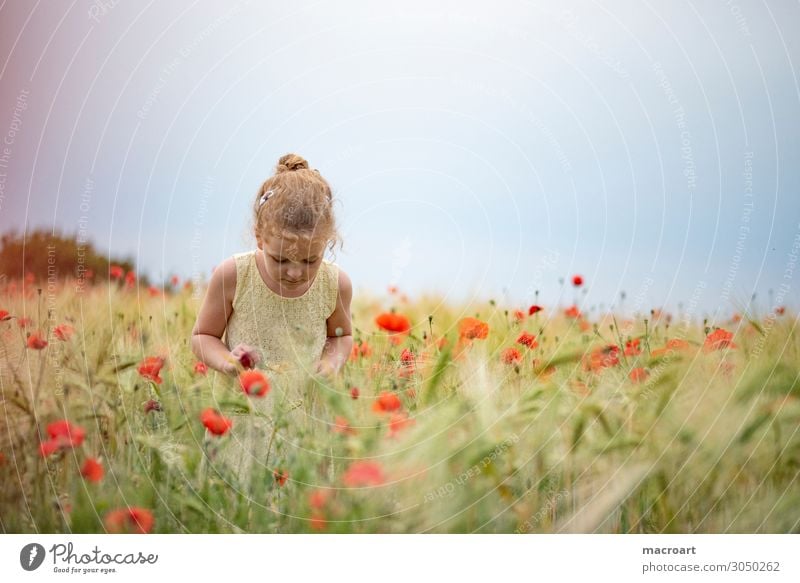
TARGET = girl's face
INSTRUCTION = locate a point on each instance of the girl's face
(292, 263)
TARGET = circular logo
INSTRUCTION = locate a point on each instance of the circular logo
(31, 556)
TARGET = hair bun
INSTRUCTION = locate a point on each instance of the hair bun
(291, 162)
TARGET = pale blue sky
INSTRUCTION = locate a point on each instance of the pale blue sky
(476, 149)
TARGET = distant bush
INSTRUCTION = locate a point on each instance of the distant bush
(41, 254)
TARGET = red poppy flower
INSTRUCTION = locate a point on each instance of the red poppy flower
(24, 322)
(174, 280)
(130, 279)
(280, 476)
(580, 387)
(246, 360)
(92, 470)
(677, 344)
(363, 473)
(399, 421)
(572, 312)
(254, 383)
(116, 272)
(354, 393)
(36, 341)
(672, 345)
(387, 402)
(153, 291)
(63, 332)
(152, 405)
(407, 357)
(534, 309)
(527, 339)
(780, 310)
(601, 358)
(577, 280)
(638, 375)
(342, 425)
(201, 368)
(519, 314)
(131, 520)
(216, 423)
(511, 356)
(4, 315)
(391, 322)
(63, 435)
(632, 347)
(472, 328)
(318, 498)
(318, 521)
(718, 340)
(150, 368)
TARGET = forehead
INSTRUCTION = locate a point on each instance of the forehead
(294, 247)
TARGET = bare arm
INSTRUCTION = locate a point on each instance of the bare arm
(212, 320)
(339, 343)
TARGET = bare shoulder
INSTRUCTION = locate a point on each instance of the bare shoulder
(345, 285)
(338, 323)
(223, 279)
(217, 304)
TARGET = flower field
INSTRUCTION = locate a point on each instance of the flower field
(459, 419)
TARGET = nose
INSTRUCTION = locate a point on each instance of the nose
(294, 273)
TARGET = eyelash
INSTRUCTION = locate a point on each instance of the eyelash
(284, 261)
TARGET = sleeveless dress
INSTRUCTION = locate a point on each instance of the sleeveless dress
(290, 333)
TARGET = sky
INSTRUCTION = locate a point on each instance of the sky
(476, 150)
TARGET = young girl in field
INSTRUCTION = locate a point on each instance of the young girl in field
(280, 307)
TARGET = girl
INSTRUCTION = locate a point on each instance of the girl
(281, 306)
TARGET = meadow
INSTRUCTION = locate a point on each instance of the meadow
(446, 419)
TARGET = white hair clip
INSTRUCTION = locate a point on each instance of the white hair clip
(265, 197)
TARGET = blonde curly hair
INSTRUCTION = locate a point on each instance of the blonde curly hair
(295, 202)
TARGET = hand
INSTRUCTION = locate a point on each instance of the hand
(245, 356)
(325, 368)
